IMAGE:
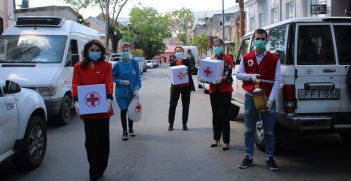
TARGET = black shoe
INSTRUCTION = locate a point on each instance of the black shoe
(131, 133)
(125, 136)
(246, 163)
(185, 128)
(170, 127)
(214, 144)
(225, 147)
(271, 164)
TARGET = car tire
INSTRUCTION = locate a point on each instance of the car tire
(233, 112)
(32, 150)
(65, 112)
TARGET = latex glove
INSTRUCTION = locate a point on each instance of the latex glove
(76, 107)
(125, 82)
(253, 77)
(136, 93)
(269, 105)
(109, 104)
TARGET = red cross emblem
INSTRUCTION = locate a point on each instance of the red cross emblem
(92, 99)
(207, 71)
(138, 107)
(180, 75)
(250, 62)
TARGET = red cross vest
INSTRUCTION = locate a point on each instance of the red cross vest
(266, 69)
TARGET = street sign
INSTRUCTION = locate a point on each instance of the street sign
(318, 9)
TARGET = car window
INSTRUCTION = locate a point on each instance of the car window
(244, 49)
(343, 43)
(276, 41)
(315, 45)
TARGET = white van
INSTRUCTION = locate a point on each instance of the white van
(315, 56)
(39, 54)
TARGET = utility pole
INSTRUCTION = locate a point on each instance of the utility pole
(107, 19)
(223, 21)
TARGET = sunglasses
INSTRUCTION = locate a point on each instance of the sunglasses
(260, 38)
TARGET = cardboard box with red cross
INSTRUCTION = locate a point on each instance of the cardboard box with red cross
(210, 70)
(178, 74)
(92, 99)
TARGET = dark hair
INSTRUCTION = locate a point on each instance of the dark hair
(260, 31)
(178, 47)
(218, 40)
(189, 51)
(86, 59)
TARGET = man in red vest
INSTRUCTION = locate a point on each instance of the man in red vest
(262, 67)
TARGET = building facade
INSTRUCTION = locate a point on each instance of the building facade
(6, 14)
(261, 13)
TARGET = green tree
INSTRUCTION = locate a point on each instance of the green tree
(201, 43)
(25, 4)
(110, 17)
(147, 30)
(180, 21)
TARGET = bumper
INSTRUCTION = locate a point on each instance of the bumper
(53, 106)
(331, 122)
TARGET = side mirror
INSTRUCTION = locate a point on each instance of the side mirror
(11, 87)
(73, 60)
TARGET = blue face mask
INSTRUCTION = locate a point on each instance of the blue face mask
(217, 50)
(125, 55)
(94, 56)
(179, 55)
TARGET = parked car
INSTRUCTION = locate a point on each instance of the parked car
(149, 64)
(114, 57)
(22, 125)
(39, 53)
(155, 63)
(315, 56)
(142, 64)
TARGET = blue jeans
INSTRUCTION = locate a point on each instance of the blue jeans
(250, 118)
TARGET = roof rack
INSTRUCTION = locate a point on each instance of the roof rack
(39, 21)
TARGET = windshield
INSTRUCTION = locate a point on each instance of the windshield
(32, 48)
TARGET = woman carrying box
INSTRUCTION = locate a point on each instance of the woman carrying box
(95, 70)
(181, 89)
(126, 75)
(220, 96)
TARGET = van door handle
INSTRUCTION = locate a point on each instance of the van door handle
(329, 70)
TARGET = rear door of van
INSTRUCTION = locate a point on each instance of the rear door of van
(317, 75)
(343, 44)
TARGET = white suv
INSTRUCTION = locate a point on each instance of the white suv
(315, 57)
(22, 125)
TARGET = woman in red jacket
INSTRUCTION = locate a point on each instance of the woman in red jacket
(95, 70)
(220, 96)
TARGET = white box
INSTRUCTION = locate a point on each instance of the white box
(210, 70)
(92, 99)
(178, 74)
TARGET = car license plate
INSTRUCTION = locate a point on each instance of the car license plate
(319, 94)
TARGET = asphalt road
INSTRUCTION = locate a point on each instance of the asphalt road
(156, 154)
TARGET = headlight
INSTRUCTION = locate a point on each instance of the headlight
(46, 91)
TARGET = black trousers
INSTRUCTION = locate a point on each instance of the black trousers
(124, 121)
(175, 94)
(97, 144)
(220, 103)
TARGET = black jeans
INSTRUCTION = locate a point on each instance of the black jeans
(175, 94)
(97, 144)
(124, 121)
(220, 103)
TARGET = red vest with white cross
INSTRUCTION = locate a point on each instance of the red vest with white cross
(266, 69)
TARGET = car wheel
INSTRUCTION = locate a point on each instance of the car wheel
(65, 112)
(31, 152)
(259, 135)
(233, 112)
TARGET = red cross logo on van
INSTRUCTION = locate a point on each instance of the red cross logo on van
(207, 71)
(92, 99)
(138, 107)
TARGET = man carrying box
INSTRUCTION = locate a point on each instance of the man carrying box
(184, 88)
